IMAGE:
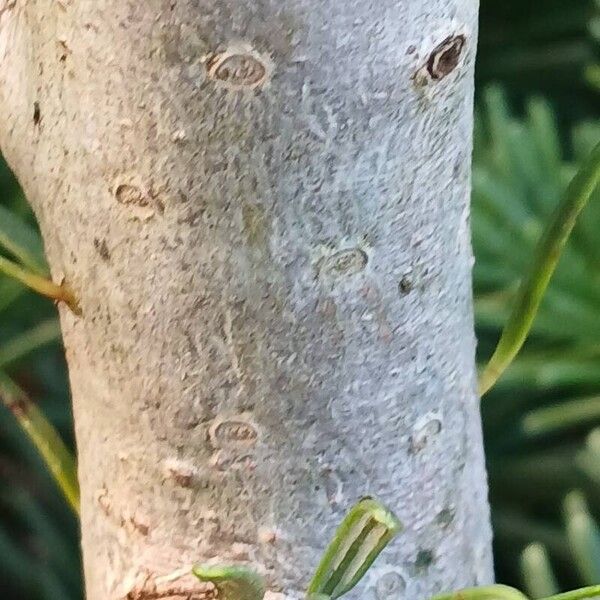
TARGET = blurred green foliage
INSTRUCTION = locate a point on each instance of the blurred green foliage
(543, 47)
(542, 422)
(538, 417)
(39, 551)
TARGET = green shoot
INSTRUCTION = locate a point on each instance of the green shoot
(362, 535)
(44, 437)
(39, 284)
(22, 242)
(504, 592)
(233, 582)
(490, 592)
(546, 256)
(580, 594)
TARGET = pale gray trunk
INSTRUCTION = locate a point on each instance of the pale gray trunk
(263, 207)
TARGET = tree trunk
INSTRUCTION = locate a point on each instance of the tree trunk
(263, 208)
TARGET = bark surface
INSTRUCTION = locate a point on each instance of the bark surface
(263, 207)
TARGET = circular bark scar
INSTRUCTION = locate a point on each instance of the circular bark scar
(390, 584)
(127, 193)
(233, 432)
(445, 57)
(425, 429)
(344, 262)
(238, 68)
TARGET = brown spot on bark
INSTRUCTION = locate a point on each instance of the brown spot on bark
(140, 526)
(103, 501)
(102, 249)
(37, 114)
(445, 57)
(179, 472)
(267, 536)
(19, 407)
(135, 523)
(405, 286)
(63, 50)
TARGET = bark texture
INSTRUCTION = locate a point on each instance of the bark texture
(263, 208)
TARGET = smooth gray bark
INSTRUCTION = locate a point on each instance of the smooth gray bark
(263, 207)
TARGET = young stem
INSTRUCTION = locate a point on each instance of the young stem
(41, 285)
(45, 438)
(546, 256)
(233, 582)
(491, 592)
(592, 591)
(504, 592)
